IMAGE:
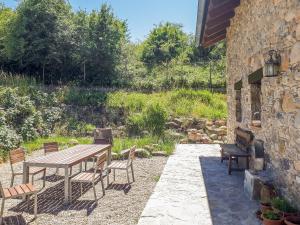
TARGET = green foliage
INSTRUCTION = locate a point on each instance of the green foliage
(186, 103)
(271, 215)
(282, 205)
(76, 96)
(9, 139)
(63, 141)
(164, 43)
(155, 119)
(125, 143)
(135, 124)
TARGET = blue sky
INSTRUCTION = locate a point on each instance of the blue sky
(141, 15)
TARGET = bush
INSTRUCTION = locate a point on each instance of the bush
(135, 124)
(155, 119)
(9, 139)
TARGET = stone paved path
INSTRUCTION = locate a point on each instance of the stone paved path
(195, 189)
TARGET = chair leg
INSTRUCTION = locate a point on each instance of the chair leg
(114, 174)
(35, 205)
(127, 172)
(70, 192)
(85, 166)
(95, 196)
(32, 179)
(1, 212)
(71, 171)
(229, 165)
(107, 177)
(44, 178)
(132, 172)
(56, 172)
(12, 180)
(102, 183)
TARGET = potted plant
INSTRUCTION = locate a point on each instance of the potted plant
(265, 206)
(292, 220)
(272, 218)
(280, 205)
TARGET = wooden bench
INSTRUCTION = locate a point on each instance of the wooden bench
(241, 148)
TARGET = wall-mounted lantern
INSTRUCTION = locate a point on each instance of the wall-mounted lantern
(272, 64)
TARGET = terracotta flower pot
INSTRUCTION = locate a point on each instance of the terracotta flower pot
(264, 207)
(272, 222)
(292, 220)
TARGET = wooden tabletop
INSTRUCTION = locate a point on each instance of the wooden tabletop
(68, 157)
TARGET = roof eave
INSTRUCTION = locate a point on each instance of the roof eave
(201, 18)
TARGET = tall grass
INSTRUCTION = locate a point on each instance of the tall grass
(183, 102)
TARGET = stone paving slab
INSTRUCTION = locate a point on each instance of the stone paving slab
(195, 189)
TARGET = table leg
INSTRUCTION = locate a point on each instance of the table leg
(25, 175)
(109, 156)
(229, 165)
(66, 201)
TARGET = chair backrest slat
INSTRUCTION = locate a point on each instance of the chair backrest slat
(131, 155)
(16, 155)
(101, 160)
(103, 136)
(50, 147)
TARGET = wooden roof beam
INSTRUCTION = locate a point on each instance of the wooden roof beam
(216, 35)
(213, 41)
(214, 21)
(212, 30)
(224, 7)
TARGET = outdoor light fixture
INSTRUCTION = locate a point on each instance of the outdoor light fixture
(272, 64)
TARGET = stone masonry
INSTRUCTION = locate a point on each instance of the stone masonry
(257, 27)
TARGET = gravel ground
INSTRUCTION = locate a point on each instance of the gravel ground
(122, 204)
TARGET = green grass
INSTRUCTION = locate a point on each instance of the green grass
(62, 141)
(119, 143)
(183, 102)
(125, 143)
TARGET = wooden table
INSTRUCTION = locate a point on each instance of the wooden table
(66, 159)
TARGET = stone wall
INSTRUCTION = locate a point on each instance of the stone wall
(259, 26)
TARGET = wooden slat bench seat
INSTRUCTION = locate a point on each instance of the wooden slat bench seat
(240, 149)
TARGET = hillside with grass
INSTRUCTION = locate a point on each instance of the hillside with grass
(32, 114)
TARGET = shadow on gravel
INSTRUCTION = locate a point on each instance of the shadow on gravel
(119, 187)
(51, 200)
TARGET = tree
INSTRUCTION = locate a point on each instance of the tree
(40, 33)
(106, 34)
(164, 43)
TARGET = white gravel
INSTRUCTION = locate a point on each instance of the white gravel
(122, 204)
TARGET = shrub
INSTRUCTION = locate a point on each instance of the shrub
(155, 119)
(9, 139)
(135, 124)
(282, 205)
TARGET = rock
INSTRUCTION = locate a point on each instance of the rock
(184, 141)
(114, 156)
(123, 128)
(213, 136)
(159, 153)
(288, 104)
(201, 124)
(220, 132)
(172, 125)
(142, 153)
(173, 135)
(295, 56)
(217, 142)
(73, 142)
(145, 133)
(124, 153)
(178, 121)
(223, 128)
(220, 123)
(209, 123)
(297, 165)
(149, 148)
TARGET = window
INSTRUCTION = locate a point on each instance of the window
(256, 95)
(238, 100)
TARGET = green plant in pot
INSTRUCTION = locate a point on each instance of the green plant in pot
(281, 205)
(272, 218)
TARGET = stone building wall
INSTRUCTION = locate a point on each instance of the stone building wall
(259, 26)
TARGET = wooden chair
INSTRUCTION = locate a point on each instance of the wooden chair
(117, 165)
(102, 136)
(18, 155)
(52, 147)
(17, 191)
(91, 176)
